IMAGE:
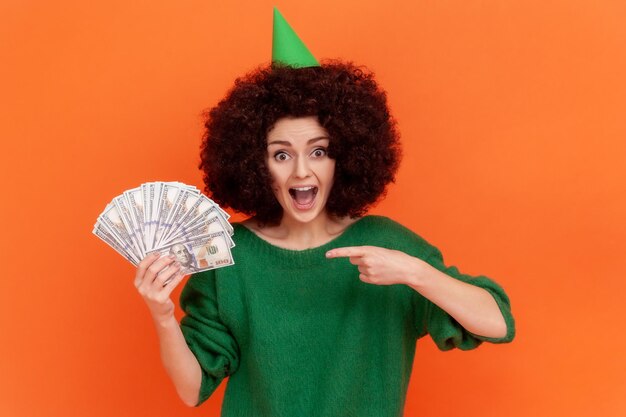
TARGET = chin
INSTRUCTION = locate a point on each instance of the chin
(303, 217)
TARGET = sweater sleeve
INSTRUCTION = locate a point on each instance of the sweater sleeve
(206, 335)
(445, 331)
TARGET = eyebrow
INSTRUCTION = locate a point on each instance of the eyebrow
(287, 143)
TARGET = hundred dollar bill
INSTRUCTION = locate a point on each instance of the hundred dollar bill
(134, 199)
(210, 224)
(145, 197)
(201, 253)
(225, 215)
(148, 191)
(167, 199)
(192, 212)
(206, 211)
(113, 221)
(186, 203)
(159, 215)
(154, 220)
(166, 224)
(127, 219)
(181, 205)
(104, 233)
(189, 188)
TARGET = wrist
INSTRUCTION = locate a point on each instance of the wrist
(165, 322)
(418, 273)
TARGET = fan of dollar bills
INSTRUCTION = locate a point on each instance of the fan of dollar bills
(169, 218)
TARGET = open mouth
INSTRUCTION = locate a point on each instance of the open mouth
(303, 197)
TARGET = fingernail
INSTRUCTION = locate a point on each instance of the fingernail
(177, 264)
(155, 254)
(172, 256)
(329, 254)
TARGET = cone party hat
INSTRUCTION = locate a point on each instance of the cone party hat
(287, 48)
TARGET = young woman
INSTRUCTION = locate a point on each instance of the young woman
(321, 312)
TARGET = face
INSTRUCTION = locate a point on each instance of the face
(181, 254)
(302, 172)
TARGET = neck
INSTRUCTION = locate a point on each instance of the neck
(294, 235)
(310, 234)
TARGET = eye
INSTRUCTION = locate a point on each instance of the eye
(319, 152)
(281, 156)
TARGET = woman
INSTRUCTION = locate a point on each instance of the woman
(321, 313)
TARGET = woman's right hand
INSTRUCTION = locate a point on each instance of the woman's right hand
(155, 280)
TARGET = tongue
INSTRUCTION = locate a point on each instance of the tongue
(304, 197)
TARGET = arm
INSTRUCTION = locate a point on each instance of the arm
(473, 307)
(155, 283)
(179, 362)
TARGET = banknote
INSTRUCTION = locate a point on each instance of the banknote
(112, 220)
(211, 223)
(167, 216)
(134, 201)
(201, 253)
(103, 233)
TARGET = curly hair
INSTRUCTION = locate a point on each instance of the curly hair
(348, 103)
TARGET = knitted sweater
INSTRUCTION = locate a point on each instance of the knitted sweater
(300, 335)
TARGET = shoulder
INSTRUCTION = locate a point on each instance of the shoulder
(385, 225)
(375, 221)
(385, 232)
(244, 235)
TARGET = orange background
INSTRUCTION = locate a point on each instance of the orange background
(512, 116)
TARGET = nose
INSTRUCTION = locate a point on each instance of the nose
(301, 169)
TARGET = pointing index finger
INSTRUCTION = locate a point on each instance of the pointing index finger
(348, 251)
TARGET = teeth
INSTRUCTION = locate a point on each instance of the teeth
(302, 188)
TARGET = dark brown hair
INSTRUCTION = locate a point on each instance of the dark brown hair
(348, 104)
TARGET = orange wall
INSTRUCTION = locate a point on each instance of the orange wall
(513, 121)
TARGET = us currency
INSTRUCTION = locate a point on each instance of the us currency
(199, 211)
(210, 224)
(148, 200)
(127, 220)
(201, 253)
(159, 215)
(103, 233)
(192, 214)
(181, 207)
(134, 199)
(154, 216)
(112, 220)
(167, 199)
(208, 212)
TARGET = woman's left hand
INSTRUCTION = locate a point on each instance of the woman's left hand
(380, 266)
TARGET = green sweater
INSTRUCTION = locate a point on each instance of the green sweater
(300, 335)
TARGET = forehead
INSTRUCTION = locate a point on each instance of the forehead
(294, 129)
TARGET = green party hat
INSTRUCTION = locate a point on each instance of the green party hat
(287, 48)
